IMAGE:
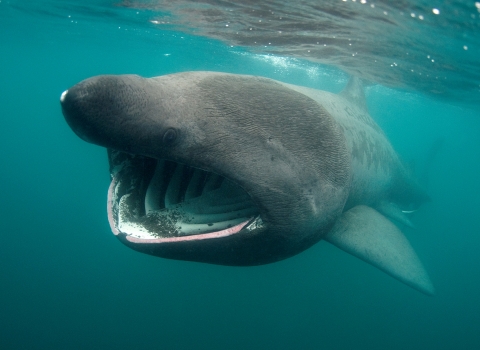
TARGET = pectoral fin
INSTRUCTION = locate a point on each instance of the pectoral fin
(368, 235)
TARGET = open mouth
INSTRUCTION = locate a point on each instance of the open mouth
(160, 201)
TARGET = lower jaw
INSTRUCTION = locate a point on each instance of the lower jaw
(205, 236)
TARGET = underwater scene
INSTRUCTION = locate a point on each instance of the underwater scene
(292, 175)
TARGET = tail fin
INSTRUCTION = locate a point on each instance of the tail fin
(432, 154)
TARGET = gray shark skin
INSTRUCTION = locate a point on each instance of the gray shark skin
(243, 170)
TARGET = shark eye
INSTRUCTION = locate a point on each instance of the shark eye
(169, 137)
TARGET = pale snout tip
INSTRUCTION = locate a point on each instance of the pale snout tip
(62, 96)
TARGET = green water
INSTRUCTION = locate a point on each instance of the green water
(67, 283)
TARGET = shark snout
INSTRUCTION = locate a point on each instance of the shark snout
(62, 96)
(76, 108)
(112, 111)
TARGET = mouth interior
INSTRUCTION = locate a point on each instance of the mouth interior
(151, 198)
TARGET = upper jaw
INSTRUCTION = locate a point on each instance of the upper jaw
(156, 201)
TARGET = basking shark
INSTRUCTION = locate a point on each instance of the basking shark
(244, 170)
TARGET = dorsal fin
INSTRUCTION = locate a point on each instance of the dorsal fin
(354, 92)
